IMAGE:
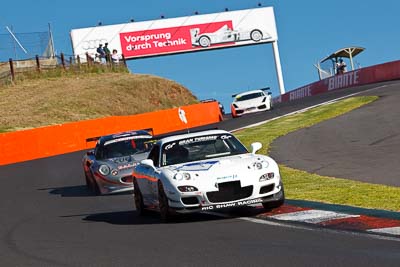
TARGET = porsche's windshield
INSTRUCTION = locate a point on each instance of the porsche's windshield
(249, 96)
(124, 147)
(200, 148)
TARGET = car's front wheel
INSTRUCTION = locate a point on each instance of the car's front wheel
(256, 35)
(138, 197)
(163, 204)
(204, 41)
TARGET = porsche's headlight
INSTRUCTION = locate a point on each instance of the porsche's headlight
(182, 176)
(104, 170)
(187, 188)
(114, 172)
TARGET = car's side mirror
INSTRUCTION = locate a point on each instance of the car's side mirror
(255, 147)
(90, 153)
(148, 162)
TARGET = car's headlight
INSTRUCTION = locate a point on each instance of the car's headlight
(104, 170)
(235, 106)
(267, 176)
(114, 172)
(187, 188)
(182, 176)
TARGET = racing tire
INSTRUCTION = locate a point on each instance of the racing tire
(275, 204)
(138, 198)
(92, 185)
(88, 183)
(96, 188)
(163, 204)
(256, 35)
(204, 41)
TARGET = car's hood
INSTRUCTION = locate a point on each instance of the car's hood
(126, 161)
(250, 103)
(222, 169)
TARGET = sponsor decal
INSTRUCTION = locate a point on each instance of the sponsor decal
(230, 205)
(233, 176)
(344, 80)
(197, 166)
(182, 115)
(198, 139)
(126, 139)
(300, 93)
(166, 40)
(127, 166)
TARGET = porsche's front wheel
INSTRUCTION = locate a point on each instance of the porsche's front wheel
(204, 41)
(137, 195)
(163, 204)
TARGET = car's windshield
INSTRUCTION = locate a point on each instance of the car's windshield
(125, 147)
(200, 148)
(249, 96)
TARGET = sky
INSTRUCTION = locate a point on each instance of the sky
(308, 31)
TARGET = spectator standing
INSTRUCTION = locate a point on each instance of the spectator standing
(102, 54)
(107, 52)
(341, 67)
(115, 57)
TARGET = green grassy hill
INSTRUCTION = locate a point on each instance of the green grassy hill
(44, 101)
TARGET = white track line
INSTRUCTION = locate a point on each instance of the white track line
(388, 230)
(312, 216)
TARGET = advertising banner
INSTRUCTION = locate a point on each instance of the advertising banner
(179, 35)
(369, 75)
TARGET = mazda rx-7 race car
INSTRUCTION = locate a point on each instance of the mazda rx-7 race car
(225, 35)
(108, 168)
(205, 171)
(250, 102)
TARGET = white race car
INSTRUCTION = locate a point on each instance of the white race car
(251, 101)
(226, 35)
(205, 171)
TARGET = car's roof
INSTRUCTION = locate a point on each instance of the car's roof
(191, 135)
(121, 135)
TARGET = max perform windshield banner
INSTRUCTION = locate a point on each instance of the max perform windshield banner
(179, 35)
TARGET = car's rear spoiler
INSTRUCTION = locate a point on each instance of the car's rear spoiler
(94, 139)
(263, 89)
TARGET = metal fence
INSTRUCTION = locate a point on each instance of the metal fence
(13, 70)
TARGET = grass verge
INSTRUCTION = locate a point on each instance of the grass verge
(307, 186)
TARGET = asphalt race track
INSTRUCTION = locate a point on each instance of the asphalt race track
(362, 145)
(48, 218)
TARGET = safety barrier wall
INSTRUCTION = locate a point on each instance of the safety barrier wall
(377, 73)
(70, 137)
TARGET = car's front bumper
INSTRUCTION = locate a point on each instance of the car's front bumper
(276, 194)
(242, 111)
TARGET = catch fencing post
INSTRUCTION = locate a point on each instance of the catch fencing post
(78, 60)
(88, 59)
(12, 70)
(63, 60)
(124, 60)
(37, 63)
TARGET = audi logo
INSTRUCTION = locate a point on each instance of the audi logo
(92, 44)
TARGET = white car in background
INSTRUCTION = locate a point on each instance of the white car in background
(205, 171)
(225, 34)
(250, 102)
